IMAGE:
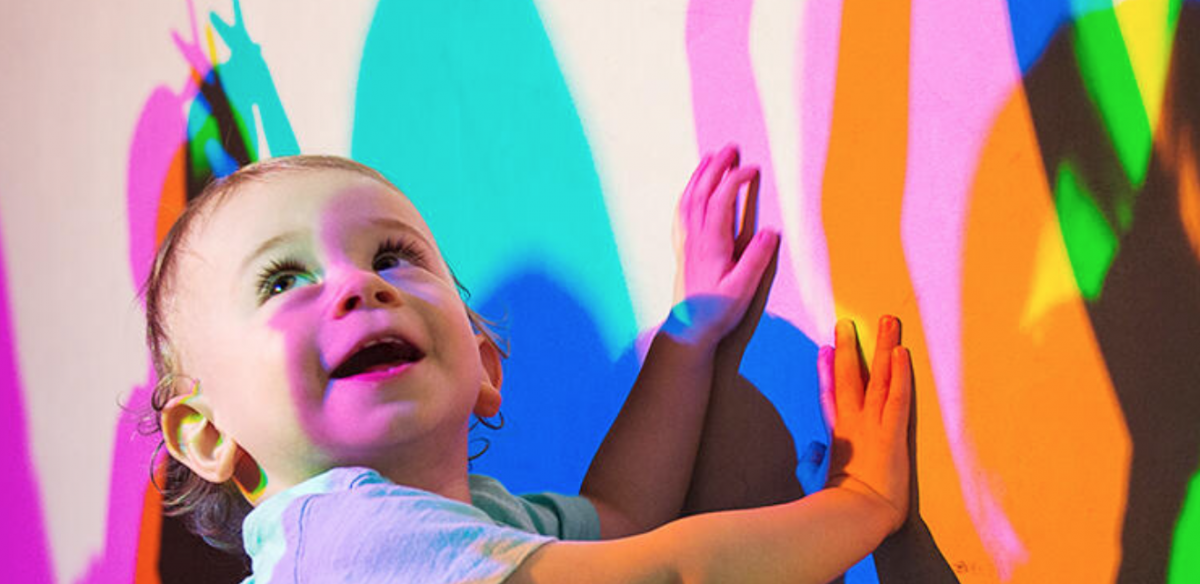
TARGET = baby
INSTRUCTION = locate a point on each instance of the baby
(318, 372)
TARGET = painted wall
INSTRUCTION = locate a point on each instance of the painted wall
(1016, 180)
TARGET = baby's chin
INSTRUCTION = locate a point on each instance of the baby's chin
(383, 432)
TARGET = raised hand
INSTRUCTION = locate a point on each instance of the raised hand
(722, 266)
(869, 413)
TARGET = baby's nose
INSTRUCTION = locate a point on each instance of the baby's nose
(366, 291)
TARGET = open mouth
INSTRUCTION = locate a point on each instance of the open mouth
(378, 355)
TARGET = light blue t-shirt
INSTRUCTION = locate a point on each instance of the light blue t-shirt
(353, 525)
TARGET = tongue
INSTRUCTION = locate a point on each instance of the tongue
(380, 367)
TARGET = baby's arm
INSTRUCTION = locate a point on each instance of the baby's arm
(639, 478)
(810, 540)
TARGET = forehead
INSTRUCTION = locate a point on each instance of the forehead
(316, 201)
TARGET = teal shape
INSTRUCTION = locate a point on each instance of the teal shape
(462, 104)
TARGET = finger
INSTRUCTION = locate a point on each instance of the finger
(847, 368)
(687, 202)
(237, 12)
(191, 5)
(733, 346)
(896, 409)
(825, 387)
(746, 275)
(224, 29)
(749, 217)
(719, 217)
(887, 338)
(721, 163)
(764, 285)
(195, 59)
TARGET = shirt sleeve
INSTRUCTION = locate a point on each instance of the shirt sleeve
(565, 517)
(558, 516)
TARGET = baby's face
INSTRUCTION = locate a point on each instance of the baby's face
(324, 327)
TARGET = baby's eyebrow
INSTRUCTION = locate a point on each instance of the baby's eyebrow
(268, 245)
(393, 223)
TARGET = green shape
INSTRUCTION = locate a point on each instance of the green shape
(1090, 240)
(1184, 566)
(462, 104)
(1110, 82)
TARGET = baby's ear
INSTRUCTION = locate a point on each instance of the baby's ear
(488, 402)
(193, 440)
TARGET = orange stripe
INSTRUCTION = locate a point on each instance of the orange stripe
(150, 534)
(173, 198)
(1048, 430)
(862, 195)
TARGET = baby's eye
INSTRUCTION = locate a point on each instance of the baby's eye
(394, 253)
(280, 277)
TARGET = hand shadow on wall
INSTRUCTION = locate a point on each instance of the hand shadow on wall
(562, 393)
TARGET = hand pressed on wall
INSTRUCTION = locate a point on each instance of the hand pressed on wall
(869, 413)
(724, 271)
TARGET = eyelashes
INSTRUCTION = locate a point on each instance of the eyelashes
(278, 277)
(392, 252)
(284, 274)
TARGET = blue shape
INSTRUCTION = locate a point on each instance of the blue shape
(1034, 23)
(781, 361)
(221, 163)
(561, 389)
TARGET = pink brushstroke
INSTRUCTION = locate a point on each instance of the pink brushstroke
(726, 108)
(817, 77)
(22, 531)
(963, 67)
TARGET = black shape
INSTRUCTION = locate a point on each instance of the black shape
(212, 92)
(185, 559)
(1147, 318)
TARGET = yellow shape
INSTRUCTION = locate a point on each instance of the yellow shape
(1053, 283)
(1148, 27)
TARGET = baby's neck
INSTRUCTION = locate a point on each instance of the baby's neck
(441, 478)
(437, 471)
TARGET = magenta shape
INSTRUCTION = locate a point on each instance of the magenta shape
(22, 531)
(963, 68)
(726, 108)
(159, 136)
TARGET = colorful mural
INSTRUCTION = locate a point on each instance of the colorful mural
(1016, 181)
